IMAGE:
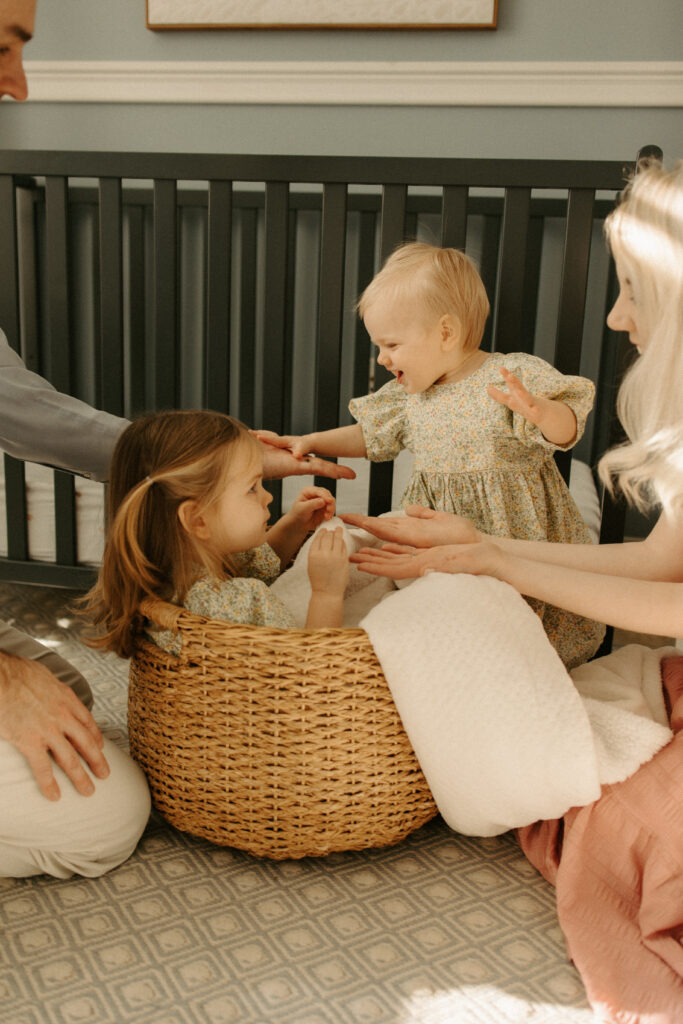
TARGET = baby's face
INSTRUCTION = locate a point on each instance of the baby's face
(409, 346)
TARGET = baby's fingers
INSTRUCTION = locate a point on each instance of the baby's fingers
(499, 396)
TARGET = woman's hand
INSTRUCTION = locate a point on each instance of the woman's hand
(401, 561)
(421, 527)
(311, 507)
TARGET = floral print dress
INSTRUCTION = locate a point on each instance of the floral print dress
(246, 599)
(478, 459)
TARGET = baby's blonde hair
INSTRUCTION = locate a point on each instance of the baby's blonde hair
(645, 234)
(439, 282)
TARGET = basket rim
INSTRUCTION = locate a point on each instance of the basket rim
(178, 619)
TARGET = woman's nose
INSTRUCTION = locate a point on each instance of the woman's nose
(615, 317)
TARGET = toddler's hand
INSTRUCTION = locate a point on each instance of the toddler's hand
(517, 398)
(298, 446)
(311, 507)
(328, 562)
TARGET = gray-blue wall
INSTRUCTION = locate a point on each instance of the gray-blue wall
(528, 30)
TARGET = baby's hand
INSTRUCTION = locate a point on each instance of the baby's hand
(311, 507)
(298, 446)
(328, 563)
(517, 398)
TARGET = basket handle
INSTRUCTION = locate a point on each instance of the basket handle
(164, 614)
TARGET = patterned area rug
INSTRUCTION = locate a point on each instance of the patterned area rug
(441, 929)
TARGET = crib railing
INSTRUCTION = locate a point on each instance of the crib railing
(144, 281)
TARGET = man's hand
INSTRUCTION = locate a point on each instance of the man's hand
(421, 527)
(47, 723)
(278, 463)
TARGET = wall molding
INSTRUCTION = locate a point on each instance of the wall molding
(367, 83)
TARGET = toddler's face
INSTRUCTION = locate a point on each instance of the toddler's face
(408, 347)
(239, 516)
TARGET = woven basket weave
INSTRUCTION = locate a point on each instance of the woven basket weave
(280, 742)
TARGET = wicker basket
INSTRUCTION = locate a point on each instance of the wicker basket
(280, 742)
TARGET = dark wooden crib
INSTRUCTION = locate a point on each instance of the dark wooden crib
(139, 281)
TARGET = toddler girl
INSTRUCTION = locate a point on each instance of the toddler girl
(480, 451)
(188, 521)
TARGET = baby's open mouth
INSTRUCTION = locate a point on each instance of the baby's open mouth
(399, 376)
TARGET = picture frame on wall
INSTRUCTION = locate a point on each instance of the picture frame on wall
(322, 14)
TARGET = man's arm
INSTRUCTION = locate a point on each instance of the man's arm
(40, 424)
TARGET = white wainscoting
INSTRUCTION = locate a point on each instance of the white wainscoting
(370, 83)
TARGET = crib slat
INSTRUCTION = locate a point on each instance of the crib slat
(577, 247)
(9, 293)
(275, 318)
(135, 319)
(247, 314)
(274, 314)
(165, 295)
(29, 302)
(454, 216)
(365, 271)
(332, 258)
(65, 518)
(330, 311)
(507, 327)
(288, 373)
(488, 267)
(392, 233)
(16, 509)
(218, 270)
(57, 364)
(111, 297)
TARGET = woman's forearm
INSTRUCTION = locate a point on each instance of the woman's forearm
(610, 559)
(641, 605)
(658, 557)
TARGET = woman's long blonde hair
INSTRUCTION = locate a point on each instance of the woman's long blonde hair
(645, 234)
(159, 462)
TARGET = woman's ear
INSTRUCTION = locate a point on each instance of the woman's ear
(450, 332)
(192, 520)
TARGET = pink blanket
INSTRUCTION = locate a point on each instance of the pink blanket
(617, 865)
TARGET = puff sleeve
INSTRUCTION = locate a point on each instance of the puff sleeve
(543, 380)
(381, 417)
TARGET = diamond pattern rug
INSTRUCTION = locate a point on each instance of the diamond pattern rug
(441, 929)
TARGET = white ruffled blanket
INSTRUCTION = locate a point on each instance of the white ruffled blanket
(504, 735)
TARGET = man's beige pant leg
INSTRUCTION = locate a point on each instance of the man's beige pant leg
(75, 835)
